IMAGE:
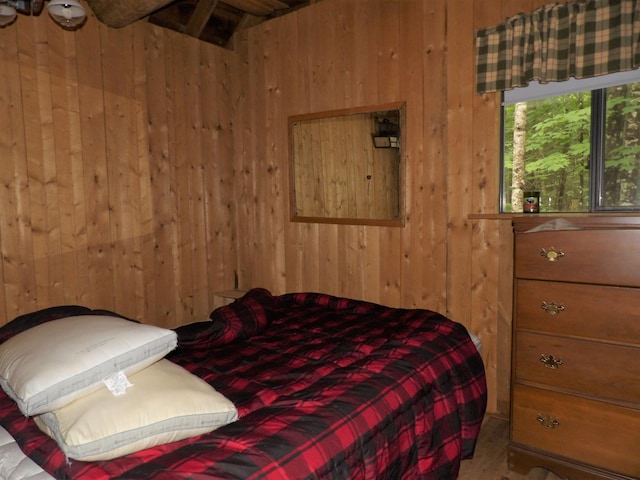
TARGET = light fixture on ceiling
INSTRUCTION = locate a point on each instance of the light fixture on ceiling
(69, 14)
(8, 14)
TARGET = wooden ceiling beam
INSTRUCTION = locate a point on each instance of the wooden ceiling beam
(119, 13)
(259, 8)
(200, 17)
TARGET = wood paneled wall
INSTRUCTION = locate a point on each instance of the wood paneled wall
(116, 153)
(143, 170)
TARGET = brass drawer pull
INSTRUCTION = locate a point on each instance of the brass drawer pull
(551, 361)
(552, 254)
(552, 308)
(547, 421)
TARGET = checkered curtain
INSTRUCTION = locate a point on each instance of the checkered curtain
(583, 38)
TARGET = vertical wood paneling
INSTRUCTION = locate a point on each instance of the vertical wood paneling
(388, 81)
(143, 170)
(181, 177)
(217, 144)
(459, 172)
(51, 202)
(305, 236)
(158, 67)
(370, 267)
(271, 161)
(297, 95)
(96, 179)
(256, 182)
(17, 274)
(323, 77)
(67, 151)
(122, 166)
(36, 97)
(103, 195)
(196, 166)
(146, 297)
(346, 268)
(411, 61)
(430, 245)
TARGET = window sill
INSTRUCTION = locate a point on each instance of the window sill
(509, 216)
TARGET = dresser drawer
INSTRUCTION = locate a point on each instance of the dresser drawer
(579, 309)
(590, 368)
(600, 434)
(586, 256)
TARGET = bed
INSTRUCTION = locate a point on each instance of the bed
(324, 387)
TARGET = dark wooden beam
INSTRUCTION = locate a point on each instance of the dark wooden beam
(200, 17)
(119, 13)
(257, 7)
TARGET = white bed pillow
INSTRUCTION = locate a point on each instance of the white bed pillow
(49, 365)
(165, 404)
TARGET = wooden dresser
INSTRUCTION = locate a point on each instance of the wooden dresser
(575, 395)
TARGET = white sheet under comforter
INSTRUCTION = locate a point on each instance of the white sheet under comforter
(15, 465)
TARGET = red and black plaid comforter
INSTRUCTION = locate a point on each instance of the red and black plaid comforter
(325, 388)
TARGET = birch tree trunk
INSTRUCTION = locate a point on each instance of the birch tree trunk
(519, 143)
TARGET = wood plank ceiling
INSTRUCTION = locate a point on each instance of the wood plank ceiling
(212, 21)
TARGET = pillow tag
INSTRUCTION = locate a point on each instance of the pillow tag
(117, 383)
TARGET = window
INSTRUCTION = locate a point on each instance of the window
(575, 142)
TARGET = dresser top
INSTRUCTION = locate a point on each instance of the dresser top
(550, 222)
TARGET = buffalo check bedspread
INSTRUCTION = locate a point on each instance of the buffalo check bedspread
(325, 387)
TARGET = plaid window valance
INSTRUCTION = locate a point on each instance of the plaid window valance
(579, 39)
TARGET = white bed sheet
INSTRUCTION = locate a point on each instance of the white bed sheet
(14, 464)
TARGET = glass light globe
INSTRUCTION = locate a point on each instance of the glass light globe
(68, 13)
(7, 14)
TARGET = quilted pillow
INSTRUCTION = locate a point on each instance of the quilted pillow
(239, 320)
(29, 320)
(165, 404)
(51, 364)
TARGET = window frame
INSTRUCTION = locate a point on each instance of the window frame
(598, 88)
